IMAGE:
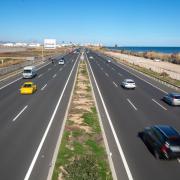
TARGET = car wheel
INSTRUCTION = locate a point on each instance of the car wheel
(156, 154)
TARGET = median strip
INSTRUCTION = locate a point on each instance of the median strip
(82, 153)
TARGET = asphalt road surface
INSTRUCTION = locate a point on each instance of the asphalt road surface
(125, 113)
(30, 124)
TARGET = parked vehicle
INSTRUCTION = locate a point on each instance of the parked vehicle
(163, 140)
(128, 84)
(172, 99)
(29, 72)
(28, 88)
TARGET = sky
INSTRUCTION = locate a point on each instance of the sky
(121, 22)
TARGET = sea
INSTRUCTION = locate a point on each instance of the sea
(168, 50)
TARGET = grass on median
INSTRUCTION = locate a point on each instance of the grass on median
(82, 154)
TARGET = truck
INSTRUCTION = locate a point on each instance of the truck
(29, 72)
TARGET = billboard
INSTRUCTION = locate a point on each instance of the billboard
(50, 43)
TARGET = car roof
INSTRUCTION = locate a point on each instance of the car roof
(129, 80)
(167, 130)
(174, 94)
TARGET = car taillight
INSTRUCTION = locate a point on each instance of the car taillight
(165, 147)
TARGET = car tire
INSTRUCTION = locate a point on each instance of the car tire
(156, 154)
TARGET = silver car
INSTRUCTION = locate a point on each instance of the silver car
(172, 99)
(129, 84)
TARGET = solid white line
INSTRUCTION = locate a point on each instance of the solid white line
(54, 75)
(107, 74)
(159, 104)
(10, 83)
(43, 87)
(18, 78)
(48, 128)
(115, 84)
(113, 130)
(132, 104)
(20, 113)
(140, 78)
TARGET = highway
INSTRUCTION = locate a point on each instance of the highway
(30, 124)
(125, 113)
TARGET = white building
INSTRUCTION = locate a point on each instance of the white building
(8, 44)
(50, 43)
(19, 44)
(34, 45)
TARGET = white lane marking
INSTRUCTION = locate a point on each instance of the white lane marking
(20, 113)
(113, 69)
(10, 83)
(43, 87)
(27, 176)
(18, 78)
(112, 129)
(107, 74)
(60, 69)
(132, 104)
(140, 78)
(54, 75)
(49, 69)
(119, 74)
(159, 104)
(101, 68)
(72, 60)
(40, 75)
(115, 84)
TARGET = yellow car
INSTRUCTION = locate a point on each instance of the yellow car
(28, 88)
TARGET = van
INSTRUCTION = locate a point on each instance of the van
(29, 72)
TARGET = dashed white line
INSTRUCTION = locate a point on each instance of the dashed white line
(115, 84)
(101, 68)
(107, 74)
(132, 104)
(49, 69)
(43, 87)
(159, 104)
(54, 75)
(130, 177)
(20, 113)
(29, 171)
(113, 69)
(119, 74)
(60, 69)
(40, 75)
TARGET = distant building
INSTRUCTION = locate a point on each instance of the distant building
(50, 43)
(8, 44)
(20, 44)
(34, 45)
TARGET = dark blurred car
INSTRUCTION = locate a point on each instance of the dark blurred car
(172, 99)
(163, 140)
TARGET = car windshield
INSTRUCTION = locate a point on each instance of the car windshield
(130, 81)
(27, 85)
(27, 71)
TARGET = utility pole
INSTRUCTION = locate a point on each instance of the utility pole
(42, 53)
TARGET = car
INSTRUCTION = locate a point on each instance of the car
(108, 61)
(172, 99)
(163, 140)
(91, 57)
(128, 84)
(61, 62)
(28, 88)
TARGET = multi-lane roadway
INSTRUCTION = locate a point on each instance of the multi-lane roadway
(30, 124)
(125, 113)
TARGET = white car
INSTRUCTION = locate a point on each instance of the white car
(61, 62)
(91, 57)
(108, 60)
(128, 84)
